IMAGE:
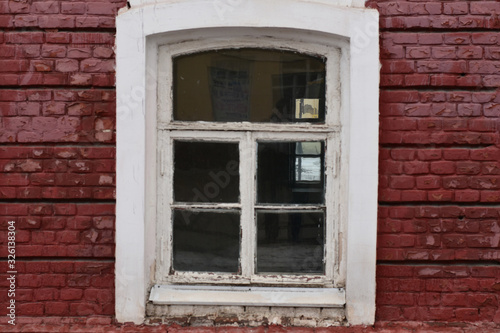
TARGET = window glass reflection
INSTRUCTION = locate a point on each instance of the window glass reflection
(206, 172)
(206, 241)
(290, 172)
(290, 242)
(247, 84)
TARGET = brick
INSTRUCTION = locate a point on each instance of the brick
(58, 37)
(417, 80)
(441, 313)
(14, 65)
(467, 314)
(442, 168)
(399, 124)
(484, 67)
(68, 237)
(492, 53)
(66, 65)
(429, 299)
(470, 52)
(440, 196)
(46, 7)
(484, 7)
(56, 21)
(79, 52)
(97, 65)
(30, 309)
(71, 294)
(19, 7)
(441, 66)
(469, 110)
(395, 299)
(485, 38)
(491, 80)
(444, 110)
(83, 309)
(103, 52)
(45, 294)
(428, 182)
(468, 168)
(486, 154)
(399, 96)
(391, 313)
(92, 38)
(467, 196)
(402, 212)
(444, 52)
(471, 22)
(402, 182)
(53, 223)
(416, 168)
(455, 8)
(413, 196)
(391, 80)
(24, 21)
(480, 299)
(456, 154)
(57, 308)
(101, 8)
(389, 195)
(27, 51)
(73, 8)
(430, 38)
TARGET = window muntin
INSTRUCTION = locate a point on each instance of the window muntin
(249, 84)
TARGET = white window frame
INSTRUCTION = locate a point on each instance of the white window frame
(247, 134)
(140, 32)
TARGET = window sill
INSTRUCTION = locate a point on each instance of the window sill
(247, 296)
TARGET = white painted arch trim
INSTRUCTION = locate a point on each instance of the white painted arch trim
(227, 6)
(136, 130)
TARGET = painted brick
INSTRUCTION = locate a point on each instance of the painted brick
(437, 116)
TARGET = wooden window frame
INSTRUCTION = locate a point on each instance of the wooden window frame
(247, 134)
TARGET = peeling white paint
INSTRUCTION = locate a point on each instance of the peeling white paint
(248, 296)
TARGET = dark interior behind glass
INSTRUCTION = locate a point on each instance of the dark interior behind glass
(248, 84)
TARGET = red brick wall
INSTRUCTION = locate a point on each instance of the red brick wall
(439, 229)
(438, 245)
(57, 154)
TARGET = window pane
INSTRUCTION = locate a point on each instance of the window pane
(308, 148)
(206, 241)
(247, 84)
(206, 172)
(285, 176)
(290, 242)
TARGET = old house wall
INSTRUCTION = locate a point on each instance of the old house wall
(439, 234)
(439, 229)
(57, 167)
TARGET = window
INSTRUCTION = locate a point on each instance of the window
(248, 183)
(273, 162)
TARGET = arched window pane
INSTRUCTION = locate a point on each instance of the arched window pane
(255, 85)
